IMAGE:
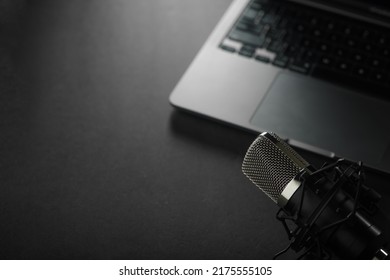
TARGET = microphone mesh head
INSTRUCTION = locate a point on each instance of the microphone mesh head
(270, 163)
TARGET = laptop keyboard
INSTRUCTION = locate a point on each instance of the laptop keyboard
(313, 42)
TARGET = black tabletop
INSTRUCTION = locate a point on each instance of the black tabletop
(96, 164)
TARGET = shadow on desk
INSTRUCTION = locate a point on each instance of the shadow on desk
(215, 135)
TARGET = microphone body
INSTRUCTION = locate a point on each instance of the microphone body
(324, 205)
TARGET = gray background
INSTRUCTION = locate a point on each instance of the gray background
(95, 163)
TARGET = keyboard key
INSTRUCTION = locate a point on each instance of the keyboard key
(228, 48)
(330, 26)
(257, 30)
(247, 51)
(368, 47)
(278, 47)
(327, 61)
(247, 38)
(242, 26)
(341, 52)
(324, 47)
(379, 76)
(344, 66)
(300, 27)
(250, 14)
(358, 57)
(255, 6)
(351, 43)
(270, 19)
(308, 42)
(293, 51)
(281, 61)
(317, 33)
(263, 59)
(376, 62)
(383, 40)
(365, 34)
(385, 52)
(299, 66)
(361, 72)
(311, 56)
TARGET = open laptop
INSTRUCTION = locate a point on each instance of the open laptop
(314, 72)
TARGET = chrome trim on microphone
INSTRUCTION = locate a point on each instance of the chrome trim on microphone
(288, 192)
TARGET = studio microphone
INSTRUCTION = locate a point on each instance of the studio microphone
(328, 212)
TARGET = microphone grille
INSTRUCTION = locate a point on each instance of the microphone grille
(270, 163)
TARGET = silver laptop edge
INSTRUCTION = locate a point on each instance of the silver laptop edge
(229, 103)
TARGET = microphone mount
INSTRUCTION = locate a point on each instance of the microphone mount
(341, 176)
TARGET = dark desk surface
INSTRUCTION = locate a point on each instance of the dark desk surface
(95, 163)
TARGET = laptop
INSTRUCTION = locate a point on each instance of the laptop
(314, 72)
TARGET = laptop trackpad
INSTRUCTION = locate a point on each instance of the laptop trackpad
(351, 125)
